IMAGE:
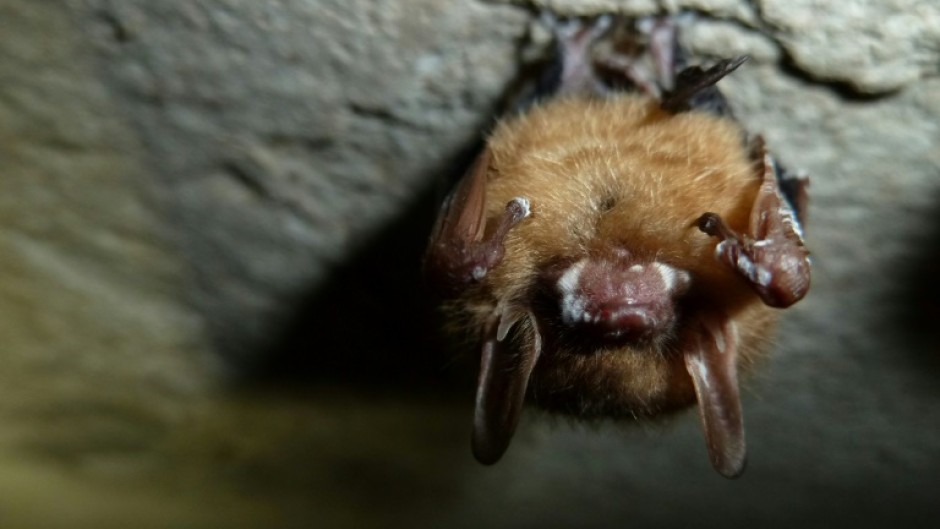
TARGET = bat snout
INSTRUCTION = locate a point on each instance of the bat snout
(618, 298)
(616, 319)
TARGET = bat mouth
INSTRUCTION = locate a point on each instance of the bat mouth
(617, 321)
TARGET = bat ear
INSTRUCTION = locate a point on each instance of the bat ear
(501, 387)
(710, 358)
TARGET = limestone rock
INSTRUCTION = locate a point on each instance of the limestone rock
(872, 46)
(180, 178)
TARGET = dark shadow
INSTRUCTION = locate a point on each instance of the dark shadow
(845, 90)
(917, 319)
(373, 323)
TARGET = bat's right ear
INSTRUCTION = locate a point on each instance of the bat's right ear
(458, 255)
(501, 387)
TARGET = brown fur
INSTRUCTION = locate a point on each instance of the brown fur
(619, 172)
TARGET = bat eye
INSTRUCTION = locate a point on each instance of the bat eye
(607, 204)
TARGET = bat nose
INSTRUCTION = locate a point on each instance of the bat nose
(618, 318)
(617, 299)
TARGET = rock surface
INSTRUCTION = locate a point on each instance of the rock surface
(197, 193)
(872, 46)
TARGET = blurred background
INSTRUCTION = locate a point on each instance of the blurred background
(211, 220)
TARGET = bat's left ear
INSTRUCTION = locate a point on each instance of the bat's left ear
(458, 254)
(710, 352)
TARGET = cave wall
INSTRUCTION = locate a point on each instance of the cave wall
(210, 224)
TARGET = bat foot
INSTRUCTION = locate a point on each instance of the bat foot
(575, 38)
(695, 87)
(649, 62)
(576, 32)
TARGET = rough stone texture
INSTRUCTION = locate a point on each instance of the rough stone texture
(296, 126)
(873, 46)
(196, 192)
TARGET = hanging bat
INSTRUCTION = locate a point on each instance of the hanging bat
(620, 247)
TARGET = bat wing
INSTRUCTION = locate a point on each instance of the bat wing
(771, 256)
(459, 253)
(461, 215)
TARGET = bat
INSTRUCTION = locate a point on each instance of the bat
(622, 246)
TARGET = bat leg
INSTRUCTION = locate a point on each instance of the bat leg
(771, 256)
(665, 51)
(574, 39)
(501, 387)
(646, 60)
(695, 88)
